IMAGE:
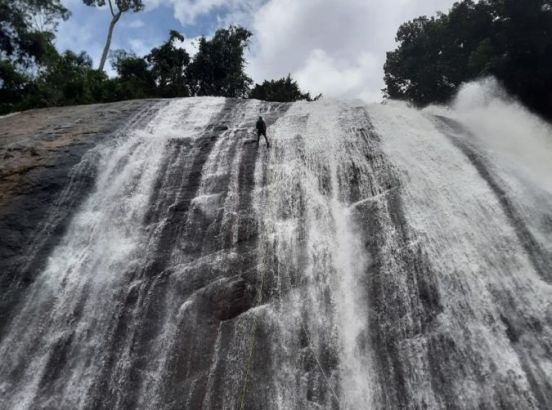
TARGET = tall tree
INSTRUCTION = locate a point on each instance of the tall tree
(116, 8)
(168, 65)
(218, 67)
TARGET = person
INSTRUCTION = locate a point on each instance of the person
(261, 130)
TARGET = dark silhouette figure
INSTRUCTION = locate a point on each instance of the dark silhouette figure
(261, 130)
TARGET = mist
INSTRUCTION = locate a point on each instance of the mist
(520, 139)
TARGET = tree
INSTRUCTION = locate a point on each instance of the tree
(522, 44)
(282, 90)
(121, 6)
(22, 40)
(218, 67)
(135, 80)
(26, 45)
(67, 80)
(433, 57)
(508, 39)
(168, 65)
(12, 86)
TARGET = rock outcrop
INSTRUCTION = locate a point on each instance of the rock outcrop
(41, 153)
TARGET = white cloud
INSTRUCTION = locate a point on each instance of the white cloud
(321, 73)
(228, 11)
(334, 47)
(187, 11)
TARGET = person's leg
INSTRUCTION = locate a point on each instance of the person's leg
(258, 137)
(266, 139)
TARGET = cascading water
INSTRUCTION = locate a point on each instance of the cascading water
(374, 257)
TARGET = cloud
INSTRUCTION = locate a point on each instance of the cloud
(226, 11)
(334, 47)
(322, 73)
(337, 48)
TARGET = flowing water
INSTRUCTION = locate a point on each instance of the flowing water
(375, 257)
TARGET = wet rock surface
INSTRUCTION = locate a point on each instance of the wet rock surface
(43, 180)
(154, 256)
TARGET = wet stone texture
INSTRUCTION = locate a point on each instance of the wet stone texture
(45, 173)
(154, 256)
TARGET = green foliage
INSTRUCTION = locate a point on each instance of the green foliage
(33, 73)
(134, 78)
(167, 71)
(65, 80)
(122, 5)
(26, 28)
(218, 67)
(26, 45)
(168, 67)
(509, 39)
(12, 85)
(68, 80)
(282, 90)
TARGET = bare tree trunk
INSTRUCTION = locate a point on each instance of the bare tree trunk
(114, 21)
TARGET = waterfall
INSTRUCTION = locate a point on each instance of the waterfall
(375, 257)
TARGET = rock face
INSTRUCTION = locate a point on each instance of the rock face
(153, 256)
(44, 176)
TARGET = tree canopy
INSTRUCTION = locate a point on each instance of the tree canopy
(509, 39)
(135, 79)
(34, 74)
(26, 29)
(26, 44)
(282, 90)
(168, 65)
(218, 67)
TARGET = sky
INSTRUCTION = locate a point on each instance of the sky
(333, 47)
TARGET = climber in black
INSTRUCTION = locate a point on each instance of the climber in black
(261, 130)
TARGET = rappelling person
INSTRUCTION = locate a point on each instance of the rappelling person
(261, 130)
